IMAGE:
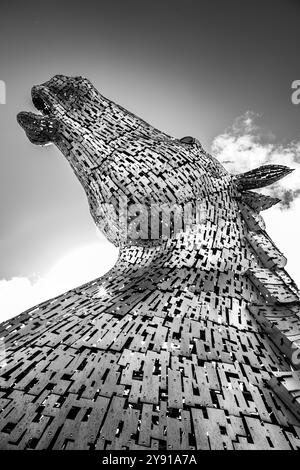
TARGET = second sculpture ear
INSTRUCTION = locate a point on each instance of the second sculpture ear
(261, 176)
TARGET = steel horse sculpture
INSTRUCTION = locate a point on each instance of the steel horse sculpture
(191, 341)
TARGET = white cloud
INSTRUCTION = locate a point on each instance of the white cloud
(284, 229)
(245, 146)
(76, 268)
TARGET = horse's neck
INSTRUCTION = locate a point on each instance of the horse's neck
(231, 258)
(206, 257)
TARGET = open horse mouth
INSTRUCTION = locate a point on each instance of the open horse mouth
(40, 129)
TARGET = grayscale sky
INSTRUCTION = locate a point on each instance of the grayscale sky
(187, 67)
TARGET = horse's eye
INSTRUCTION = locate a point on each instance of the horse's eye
(187, 140)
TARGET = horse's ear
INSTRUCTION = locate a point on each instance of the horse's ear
(261, 176)
(257, 202)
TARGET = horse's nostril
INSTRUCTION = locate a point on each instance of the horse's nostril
(40, 104)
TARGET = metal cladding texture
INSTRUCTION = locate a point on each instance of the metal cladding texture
(191, 341)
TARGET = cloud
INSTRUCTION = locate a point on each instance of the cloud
(245, 146)
(284, 229)
(76, 268)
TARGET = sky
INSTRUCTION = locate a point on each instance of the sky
(219, 71)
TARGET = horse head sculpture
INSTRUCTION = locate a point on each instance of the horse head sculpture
(165, 184)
